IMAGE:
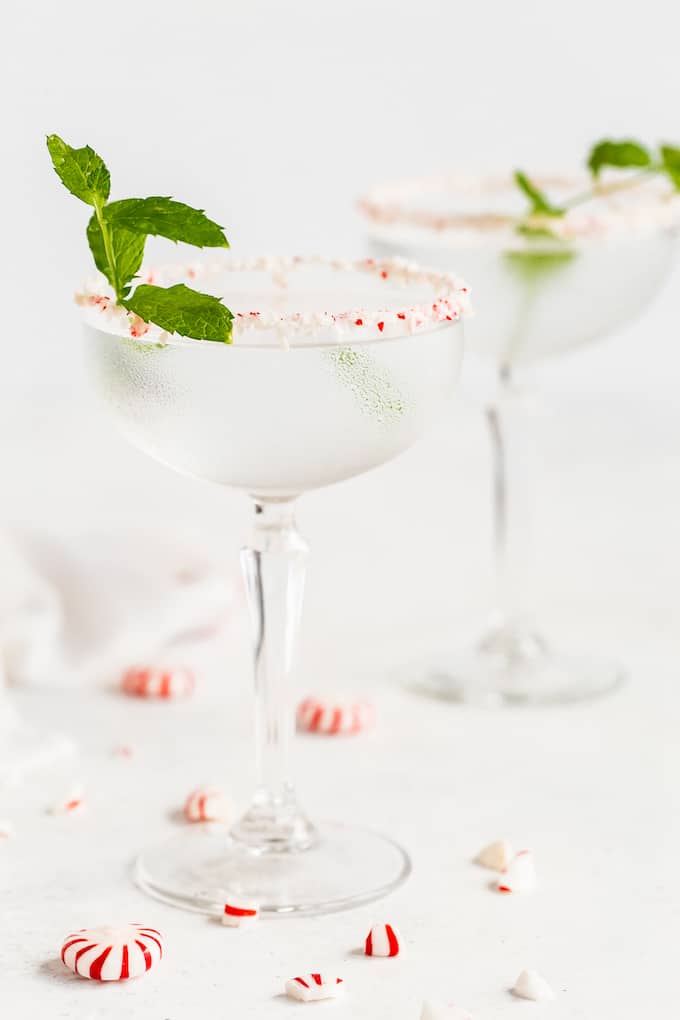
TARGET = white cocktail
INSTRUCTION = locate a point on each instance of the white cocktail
(335, 368)
(538, 296)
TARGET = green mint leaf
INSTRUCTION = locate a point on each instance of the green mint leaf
(622, 154)
(82, 171)
(128, 252)
(670, 163)
(180, 309)
(166, 218)
(540, 203)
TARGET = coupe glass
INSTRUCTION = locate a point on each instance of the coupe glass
(310, 395)
(538, 298)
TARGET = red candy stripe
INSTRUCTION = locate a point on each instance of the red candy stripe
(150, 682)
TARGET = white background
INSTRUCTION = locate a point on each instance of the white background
(274, 116)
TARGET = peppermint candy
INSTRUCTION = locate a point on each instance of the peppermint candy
(520, 875)
(240, 911)
(6, 829)
(331, 717)
(152, 682)
(383, 940)
(71, 804)
(312, 987)
(496, 856)
(207, 804)
(530, 985)
(112, 952)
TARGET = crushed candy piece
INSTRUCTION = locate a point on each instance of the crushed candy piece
(240, 911)
(315, 715)
(312, 987)
(530, 985)
(521, 874)
(383, 940)
(207, 804)
(152, 682)
(496, 856)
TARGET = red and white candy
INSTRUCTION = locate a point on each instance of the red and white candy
(312, 987)
(315, 715)
(383, 940)
(152, 682)
(521, 874)
(207, 804)
(240, 911)
(112, 952)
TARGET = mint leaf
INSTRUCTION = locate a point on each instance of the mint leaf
(180, 309)
(670, 163)
(166, 218)
(540, 203)
(128, 252)
(82, 171)
(625, 153)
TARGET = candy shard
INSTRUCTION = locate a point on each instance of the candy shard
(240, 911)
(331, 718)
(72, 803)
(521, 874)
(383, 940)
(112, 952)
(207, 804)
(496, 856)
(312, 987)
(530, 985)
(433, 1011)
(6, 829)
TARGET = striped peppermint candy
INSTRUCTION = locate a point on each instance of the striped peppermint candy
(312, 987)
(207, 804)
(240, 911)
(334, 717)
(383, 940)
(112, 952)
(154, 682)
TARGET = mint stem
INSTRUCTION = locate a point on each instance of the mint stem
(108, 248)
(610, 189)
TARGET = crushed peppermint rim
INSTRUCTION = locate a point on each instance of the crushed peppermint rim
(449, 301)
(402, 204)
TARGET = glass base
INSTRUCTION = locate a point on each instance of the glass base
(517, 668)
(346, 867)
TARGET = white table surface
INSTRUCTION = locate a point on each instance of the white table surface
(400, 562)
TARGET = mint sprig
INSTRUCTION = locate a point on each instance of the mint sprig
(625, 155)
(117, 233)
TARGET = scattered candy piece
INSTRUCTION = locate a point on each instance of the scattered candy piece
(239, 911)
(207, 804)
(521, 874)
(383, 940)
(332, 717)
(6, 829)
(312, 987)
(530, 985)
(149, 682)
(112, 952)
(71, 804)
(496, 856)
(123, 751)
(435, 1012)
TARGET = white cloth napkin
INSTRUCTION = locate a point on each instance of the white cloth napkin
(79, 611)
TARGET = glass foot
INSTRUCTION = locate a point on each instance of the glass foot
(517, 668)
(347, 866)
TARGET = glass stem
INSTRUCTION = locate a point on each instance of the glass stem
(511, 456)
(273, 565)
